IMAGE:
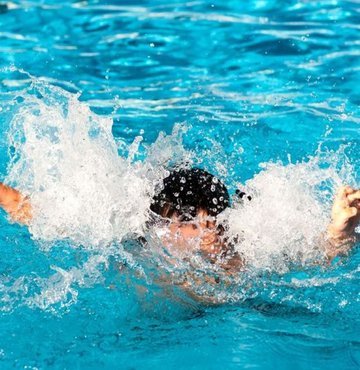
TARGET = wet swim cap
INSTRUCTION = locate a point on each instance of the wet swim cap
(187, 191)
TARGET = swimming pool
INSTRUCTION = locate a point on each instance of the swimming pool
(264, 95)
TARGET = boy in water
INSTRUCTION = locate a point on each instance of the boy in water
(190, 201)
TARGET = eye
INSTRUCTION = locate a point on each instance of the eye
(163, 222)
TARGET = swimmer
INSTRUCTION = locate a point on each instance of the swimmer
(188, 206)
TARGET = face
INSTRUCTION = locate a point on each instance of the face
(182, 237)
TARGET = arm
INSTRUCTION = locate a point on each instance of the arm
(345, 215)
(14, 203)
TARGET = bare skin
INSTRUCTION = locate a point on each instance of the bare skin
(340, 235)
(345, 218)
(15, 204)
(182, 236)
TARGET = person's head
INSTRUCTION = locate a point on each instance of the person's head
(191, 199)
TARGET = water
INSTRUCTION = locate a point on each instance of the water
(97, 101)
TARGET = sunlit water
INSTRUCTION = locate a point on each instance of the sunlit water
(97, 102)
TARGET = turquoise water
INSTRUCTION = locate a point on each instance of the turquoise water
(264, 95)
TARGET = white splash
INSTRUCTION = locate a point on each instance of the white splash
(284, 222)
(66, 160)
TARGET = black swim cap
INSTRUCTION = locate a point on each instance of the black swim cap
(187, 191)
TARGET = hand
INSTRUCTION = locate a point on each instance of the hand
(345, 214)
(13, 202)
(22, 213)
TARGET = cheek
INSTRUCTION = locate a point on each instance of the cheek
(176, 232)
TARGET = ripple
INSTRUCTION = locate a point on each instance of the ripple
(144, 13)
(17, 36)
(119, 36)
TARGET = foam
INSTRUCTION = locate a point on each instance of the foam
(284, 222)
(66, 160)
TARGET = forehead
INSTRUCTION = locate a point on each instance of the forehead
(199, 214)
(201, 219)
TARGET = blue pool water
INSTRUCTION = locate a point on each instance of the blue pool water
(262, 93)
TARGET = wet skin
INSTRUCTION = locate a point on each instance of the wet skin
(200, 232)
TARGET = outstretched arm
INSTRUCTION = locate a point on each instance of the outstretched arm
(345, 217)
(14, 203)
